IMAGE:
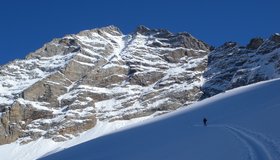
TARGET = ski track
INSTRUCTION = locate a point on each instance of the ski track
(259, 146)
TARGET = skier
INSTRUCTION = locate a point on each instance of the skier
(205, 121)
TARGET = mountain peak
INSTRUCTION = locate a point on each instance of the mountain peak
(161, 33)
(255, 43)
(111, 29)
(275, 37)
(142, 29)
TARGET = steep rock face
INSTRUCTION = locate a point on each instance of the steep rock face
(231, 65)
(69, 84)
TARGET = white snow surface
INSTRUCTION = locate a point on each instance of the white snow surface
(242, 125)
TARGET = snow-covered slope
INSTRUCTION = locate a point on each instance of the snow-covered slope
(242, 125)
(42, 146)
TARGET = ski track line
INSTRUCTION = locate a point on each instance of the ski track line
(256, 150)
(268, 142)
(251, 151)
(260, 147)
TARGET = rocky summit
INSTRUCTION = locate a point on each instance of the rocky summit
(232, 65)
(71, 83)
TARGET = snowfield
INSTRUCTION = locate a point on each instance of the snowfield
(242, 125)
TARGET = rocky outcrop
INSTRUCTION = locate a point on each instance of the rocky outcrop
(48, 89)
(255, 43)
(164, 38)
(56, 47)
(275, 38)
(232, 65)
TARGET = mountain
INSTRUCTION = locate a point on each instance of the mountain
(102, 80)
(69, 84)
(242, 124)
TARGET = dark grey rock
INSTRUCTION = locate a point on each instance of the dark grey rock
(255, 43)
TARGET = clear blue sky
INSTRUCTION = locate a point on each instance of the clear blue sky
(25, 25)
